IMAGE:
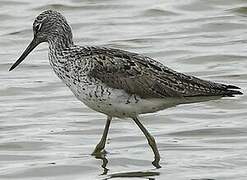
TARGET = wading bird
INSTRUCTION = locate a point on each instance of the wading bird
(115, 82)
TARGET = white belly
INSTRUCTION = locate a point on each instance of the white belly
(118, 103)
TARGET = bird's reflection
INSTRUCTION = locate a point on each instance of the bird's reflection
(102, 156)
(134, 174)
(149, 174)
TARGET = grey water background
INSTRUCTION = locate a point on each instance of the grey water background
(46, 133)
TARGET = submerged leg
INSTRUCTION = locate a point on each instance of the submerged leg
(101, 145)
(151, 142)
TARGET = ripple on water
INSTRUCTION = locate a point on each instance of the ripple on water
(58, 171)
(99, 6)
(5, 158)
(15, 3)
(25, 146)
(157, 13)
(221, 132)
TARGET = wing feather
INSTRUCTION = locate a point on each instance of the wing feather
(147, 78)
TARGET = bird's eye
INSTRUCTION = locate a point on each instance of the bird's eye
(38, 27)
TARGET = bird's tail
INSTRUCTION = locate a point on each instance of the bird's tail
(231, 90)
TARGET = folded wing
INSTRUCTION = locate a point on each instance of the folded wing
(147, 78)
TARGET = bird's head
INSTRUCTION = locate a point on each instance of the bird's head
(50, 26)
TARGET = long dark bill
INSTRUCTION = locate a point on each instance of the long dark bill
(30, 47)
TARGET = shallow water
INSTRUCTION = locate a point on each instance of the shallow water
(45, 133)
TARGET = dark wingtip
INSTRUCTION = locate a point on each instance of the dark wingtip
(231, 92)
(237, 93)
(232, 87)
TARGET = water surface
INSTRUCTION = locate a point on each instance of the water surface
(45, 133)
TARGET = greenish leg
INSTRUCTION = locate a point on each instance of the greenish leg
(101, 145)
(151, 142)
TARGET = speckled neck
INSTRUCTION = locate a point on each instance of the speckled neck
(60, 41)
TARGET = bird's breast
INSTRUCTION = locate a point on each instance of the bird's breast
(114, 102)
(102, 98)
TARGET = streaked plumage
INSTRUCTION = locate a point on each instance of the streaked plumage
(115, 82)
(145, 77)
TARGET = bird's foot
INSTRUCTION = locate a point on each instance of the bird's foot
(156, 164)
(99, 152)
